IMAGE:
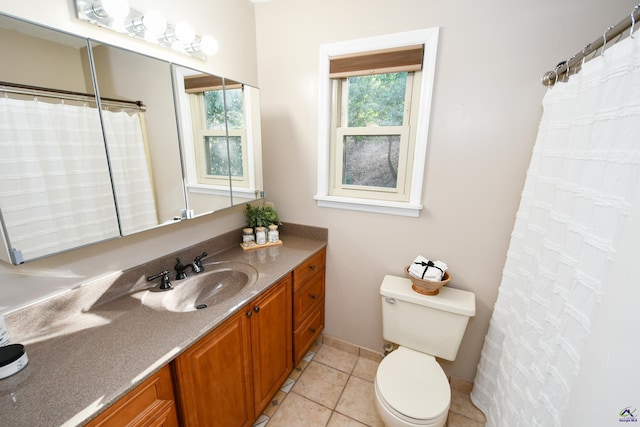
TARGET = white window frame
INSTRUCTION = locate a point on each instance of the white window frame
(428, 37)
(243, 188)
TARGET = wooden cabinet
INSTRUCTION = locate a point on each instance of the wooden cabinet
(271, 342)
(150, 404)
(308, 303)
(214, 377)
(228, 377)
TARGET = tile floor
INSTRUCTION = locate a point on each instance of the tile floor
(333, 387)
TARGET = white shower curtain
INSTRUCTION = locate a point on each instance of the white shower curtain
(124, 133)
(579, 192)
(55, 190)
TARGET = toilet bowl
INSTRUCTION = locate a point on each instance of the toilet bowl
(411, 389)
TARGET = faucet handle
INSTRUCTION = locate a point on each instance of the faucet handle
(165, 284)
(198, 262)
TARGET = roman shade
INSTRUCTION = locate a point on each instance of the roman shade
(405, 58)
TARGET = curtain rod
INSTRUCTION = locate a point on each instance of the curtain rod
(551, 77)
(63, 94)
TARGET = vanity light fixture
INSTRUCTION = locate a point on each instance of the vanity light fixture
(207, 45)
(151, 26)
(106, 9)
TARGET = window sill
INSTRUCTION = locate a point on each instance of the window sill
(208, 189)
(369, 205)
(240, 193)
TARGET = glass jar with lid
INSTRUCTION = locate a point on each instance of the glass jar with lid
(248, 239)
(273, 235)
(261, 235)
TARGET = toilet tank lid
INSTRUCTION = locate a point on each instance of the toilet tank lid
(448, 299)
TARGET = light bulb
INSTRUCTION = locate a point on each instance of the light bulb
(154, 22)
(117, 9)
(209, 45)
(184, 33)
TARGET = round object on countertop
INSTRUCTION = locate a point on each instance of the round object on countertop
(13, 358)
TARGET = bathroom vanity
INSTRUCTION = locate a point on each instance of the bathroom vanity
(102, 355)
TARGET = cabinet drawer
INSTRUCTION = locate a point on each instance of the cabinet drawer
(308, 268)
(149, 404)
(307, 333)
(310, 295)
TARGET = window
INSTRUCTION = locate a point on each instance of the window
(215, 161)
(373, 123)
(220, 134)
(370, 136)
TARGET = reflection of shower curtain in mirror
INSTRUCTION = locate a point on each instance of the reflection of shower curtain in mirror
(55, 191)
(125, 134)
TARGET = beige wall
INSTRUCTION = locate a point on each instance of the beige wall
(486, 110)
(65, 64)
(232, 22)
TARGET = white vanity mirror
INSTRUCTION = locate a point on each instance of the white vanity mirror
(203, 133)
(76, 169)
(55, 187)
(243, 122)
(142, 138)
(221, 141)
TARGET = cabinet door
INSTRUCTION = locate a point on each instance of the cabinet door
(214, 377)
(271, 341)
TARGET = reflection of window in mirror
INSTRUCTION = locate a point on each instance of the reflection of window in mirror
(220, 133)
(215, 160)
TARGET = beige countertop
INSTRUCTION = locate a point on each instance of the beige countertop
(90, 346)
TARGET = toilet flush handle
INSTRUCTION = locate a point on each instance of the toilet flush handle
(390, 300)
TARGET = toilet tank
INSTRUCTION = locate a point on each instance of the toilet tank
(430, 324)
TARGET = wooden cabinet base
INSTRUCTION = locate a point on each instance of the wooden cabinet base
(308, 303)
(228, 377)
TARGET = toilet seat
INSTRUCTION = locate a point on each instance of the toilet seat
(413, 387)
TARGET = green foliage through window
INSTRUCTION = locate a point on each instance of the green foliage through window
(214, 109)
(376, 100)
(218, 158)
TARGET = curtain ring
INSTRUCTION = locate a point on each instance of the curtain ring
(568, 71)
(584, 54)
(604, 39)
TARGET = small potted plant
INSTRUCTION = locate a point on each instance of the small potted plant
(254, 216)
(270, 216)
(259, 217)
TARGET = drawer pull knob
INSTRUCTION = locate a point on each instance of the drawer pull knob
(313, 296)
(256, 308)
(313, 330)
(249, 313)
(312, 267)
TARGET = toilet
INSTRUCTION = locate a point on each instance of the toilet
(411, 389)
